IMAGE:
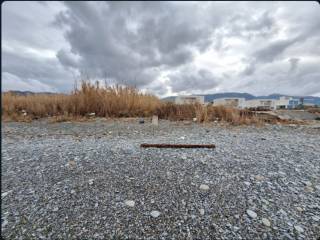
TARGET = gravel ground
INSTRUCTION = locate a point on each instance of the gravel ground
(92, 181)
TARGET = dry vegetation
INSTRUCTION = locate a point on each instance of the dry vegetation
(112, 101)
(209, 113)
(315, 110)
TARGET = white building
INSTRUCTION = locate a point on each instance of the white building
(261, 104)
(230, 102)
(272, 104)
(191, 99)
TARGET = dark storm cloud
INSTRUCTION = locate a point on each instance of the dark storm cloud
(121, 38)
(274, 49)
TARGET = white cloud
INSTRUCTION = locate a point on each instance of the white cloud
(13, 82)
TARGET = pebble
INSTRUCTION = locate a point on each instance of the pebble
(5, 194)
(4, 223)
(266, 222)
(204, 187)
(281, 211)
(307, 183)
(247, 183)
(201, 211)
(155, 214)
(91, 181)
(316, 218)
(298, 229)
(251, 214)
(129, 203)
(259, 178)
(229, 173)
(309, 189)
(299, 209)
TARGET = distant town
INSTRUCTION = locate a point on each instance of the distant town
(274, 103)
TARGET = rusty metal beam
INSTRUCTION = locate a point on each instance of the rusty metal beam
(164, 145)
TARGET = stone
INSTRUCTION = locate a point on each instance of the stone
(155, 214)
(201, 211)
(282, 212)
(129, 203)
(91, 181)
(4, 223)
(55, 209)
(308, 189)
(316, 218)
(266, 222)
(71, 163)
(246, 183)
(141, 121)
(282, 173)
(155, 120)
(307, 183)
(235, 228)
(204, 187)
(299, 209)
(251, 214)
(259, 178)
(5, 194)
(298, 229)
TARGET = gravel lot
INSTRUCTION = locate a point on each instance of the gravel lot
(92, 180)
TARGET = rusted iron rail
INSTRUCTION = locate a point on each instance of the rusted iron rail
(164, 145)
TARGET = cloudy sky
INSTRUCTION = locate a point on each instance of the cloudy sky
(166, 48)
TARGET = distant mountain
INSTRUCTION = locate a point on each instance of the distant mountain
(211, 97)
(25, 93)
(247, 96)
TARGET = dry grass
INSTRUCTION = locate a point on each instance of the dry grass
(314, 110)
(106, 101)
(112, 102)
(175, 112)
